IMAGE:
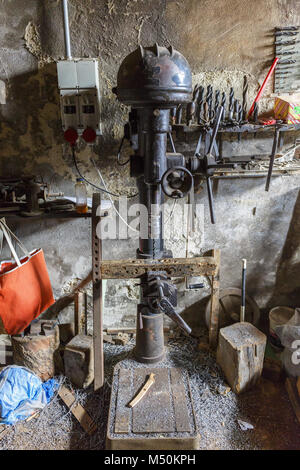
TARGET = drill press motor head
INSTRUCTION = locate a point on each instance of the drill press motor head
(154, 76)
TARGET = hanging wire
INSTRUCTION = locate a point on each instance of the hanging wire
(111, 200)
(119, 154)
(92, 184)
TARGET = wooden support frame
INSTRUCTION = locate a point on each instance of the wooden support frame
(135, 268)
(214, 304)
(97, 295)
(174, 267)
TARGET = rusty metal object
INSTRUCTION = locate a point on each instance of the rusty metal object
(143, 391)
(149, 346)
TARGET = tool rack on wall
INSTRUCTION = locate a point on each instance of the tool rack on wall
(189, 134)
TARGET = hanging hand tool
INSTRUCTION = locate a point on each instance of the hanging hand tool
(206, 114)
(255, 115)
(287, 61)
(240, 119)
(200, 103)
(179, 114)
(173, 115)
(143, 391)
(287, 28)
(223, 104)
(240, 113)
(286, 33)
(207, 164)
(243, 297)
(191, 107)
(272, 158)
(209, 95)
(245, 97)
(231, 104)
(255, 112)
(286, 43)
(217, 100)
(261, 90)
(236, 110)
(289, 52)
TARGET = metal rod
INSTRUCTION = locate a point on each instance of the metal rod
(274, 150)
(67, 29)
(243, 298)
(210, 200)
(216, 128)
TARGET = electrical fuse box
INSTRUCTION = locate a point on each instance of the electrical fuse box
(78, 83)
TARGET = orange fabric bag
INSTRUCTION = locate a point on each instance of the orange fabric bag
(25, 288)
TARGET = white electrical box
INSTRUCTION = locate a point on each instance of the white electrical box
(78, 83)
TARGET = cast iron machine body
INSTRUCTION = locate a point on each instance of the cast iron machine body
(153, 81)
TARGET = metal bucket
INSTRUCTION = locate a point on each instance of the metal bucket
(278, 316)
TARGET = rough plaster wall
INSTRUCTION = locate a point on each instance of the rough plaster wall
(222, 40)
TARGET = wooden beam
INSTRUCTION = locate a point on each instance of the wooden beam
(97, 297)
(174, 267)
(77, 410)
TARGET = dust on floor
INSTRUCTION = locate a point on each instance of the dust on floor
(266, 408)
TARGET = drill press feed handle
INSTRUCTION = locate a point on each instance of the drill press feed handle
(177, 182)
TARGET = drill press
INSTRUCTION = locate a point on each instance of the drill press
(153, 81)
(156, 81)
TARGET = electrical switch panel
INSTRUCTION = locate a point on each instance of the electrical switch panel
(78, 83)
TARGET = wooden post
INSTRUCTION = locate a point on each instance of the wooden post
(214, 304)
(97, 295)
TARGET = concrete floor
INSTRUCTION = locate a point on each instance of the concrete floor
(266, 407)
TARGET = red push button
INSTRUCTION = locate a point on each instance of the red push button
(71, 136)
(89, 134)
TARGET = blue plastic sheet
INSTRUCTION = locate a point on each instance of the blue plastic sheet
(22, 393)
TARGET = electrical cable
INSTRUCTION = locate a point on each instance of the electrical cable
(119, 154)
(113, 204)
(92, 184)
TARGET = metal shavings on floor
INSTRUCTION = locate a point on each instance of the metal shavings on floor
(217, 408)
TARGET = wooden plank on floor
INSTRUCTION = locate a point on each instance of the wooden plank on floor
(77, 410)
(153, 414)
(182, 418)
(122, 419)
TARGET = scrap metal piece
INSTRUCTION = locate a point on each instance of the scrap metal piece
(143, 391)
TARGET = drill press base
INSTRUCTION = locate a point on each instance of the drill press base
(164, 418)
